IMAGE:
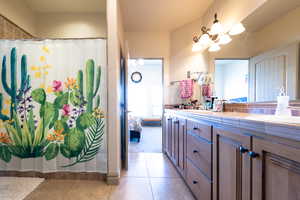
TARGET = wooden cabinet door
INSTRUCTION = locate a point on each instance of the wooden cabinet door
(276, 170)
(175, 139)
(168, 135)
(182, 145)
(231, 166)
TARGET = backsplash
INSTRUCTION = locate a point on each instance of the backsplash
(260, 108)
(255, 108)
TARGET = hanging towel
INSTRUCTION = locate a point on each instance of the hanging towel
(186, 88)
(206, 90)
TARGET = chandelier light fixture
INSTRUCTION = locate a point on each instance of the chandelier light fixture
(215, 36)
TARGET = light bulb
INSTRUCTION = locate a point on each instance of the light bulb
(216, 28)
(197, 47)
(224, 39)
(214, 47)
(205, 39)
(237, 29)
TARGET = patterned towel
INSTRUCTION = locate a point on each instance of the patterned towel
(186, 88)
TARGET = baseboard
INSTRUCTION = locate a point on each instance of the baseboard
(112, 180)
(57, 175)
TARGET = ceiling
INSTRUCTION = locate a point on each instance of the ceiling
(67, 6)
(161, 15)
(268, 12)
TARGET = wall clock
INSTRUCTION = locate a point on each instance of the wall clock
(136, 77)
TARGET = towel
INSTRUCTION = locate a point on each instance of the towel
(206, 90)
(186, 88)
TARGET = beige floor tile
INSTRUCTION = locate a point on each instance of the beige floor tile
(132, 189)
(159, 166)
(52, 189)
(134, 157)
(170, 189)
(136, 168)
(90, 190)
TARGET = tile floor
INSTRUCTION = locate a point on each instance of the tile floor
(151, 141)
(151, 176)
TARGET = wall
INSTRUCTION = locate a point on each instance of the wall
(151, 45)
(58, 25)
(20, 14)
(183, 59)
(145, 97)
(9, 30)
(116, 43)
(280, 32)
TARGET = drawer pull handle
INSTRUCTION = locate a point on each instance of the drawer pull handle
(252, 154)
(195, 182)
(195, 151)
(195, 128)
(243, 149)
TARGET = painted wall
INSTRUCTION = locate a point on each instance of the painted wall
(116, 43)
(59, 25)
(145, 98)
(280, 32)
(151, 45)
(230, 12)
(183, 59)
(20, 14)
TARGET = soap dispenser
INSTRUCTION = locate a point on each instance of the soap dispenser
(283, 104)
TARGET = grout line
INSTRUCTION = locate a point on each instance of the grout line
(149, 178)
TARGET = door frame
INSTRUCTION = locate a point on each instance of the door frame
(163, 95)
(123, 113)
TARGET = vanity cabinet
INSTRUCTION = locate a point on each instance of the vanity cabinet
(175, 141)
(255, 168)
(168, 135)
(276, 170)
(221, 160)
(232, 167)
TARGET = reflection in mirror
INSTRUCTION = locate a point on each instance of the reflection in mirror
(231, 80)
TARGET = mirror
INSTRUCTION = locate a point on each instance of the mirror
(231, 79)
(266, 56)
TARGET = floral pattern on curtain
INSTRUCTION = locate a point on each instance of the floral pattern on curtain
(53, 105)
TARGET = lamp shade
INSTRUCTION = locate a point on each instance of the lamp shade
(214, 47)
(224, 39)
(237, 29)
(205, 40)
(197, 47)
(216, 28)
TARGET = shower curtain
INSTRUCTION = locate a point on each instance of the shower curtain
(53, 105)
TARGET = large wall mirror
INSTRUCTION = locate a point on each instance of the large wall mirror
(257, 64)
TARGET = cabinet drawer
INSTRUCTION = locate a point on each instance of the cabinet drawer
(199, 129)
(199, 152)
(198, 183)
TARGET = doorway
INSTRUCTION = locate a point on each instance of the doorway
(145, 105)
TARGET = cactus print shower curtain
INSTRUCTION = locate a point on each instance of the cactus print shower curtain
(53, 105)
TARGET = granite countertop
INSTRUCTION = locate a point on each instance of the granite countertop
(288, 127)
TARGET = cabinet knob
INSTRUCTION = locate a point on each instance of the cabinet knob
(195, 182)
(195, 151)
(243, 149)
(252, 154)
